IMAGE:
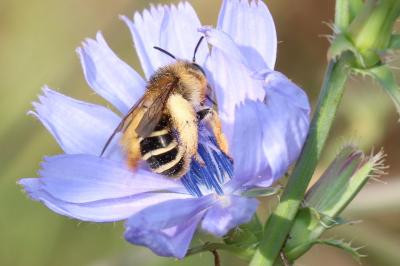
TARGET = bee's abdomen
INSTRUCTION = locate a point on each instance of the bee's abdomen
(161, 151)
(152, 144)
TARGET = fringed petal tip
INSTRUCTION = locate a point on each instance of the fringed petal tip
(223, 42)
(29, 185)
(163, 26)
(108, 75)
(241, 20)
(71, 122)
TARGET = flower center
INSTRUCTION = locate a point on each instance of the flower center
(210, 174)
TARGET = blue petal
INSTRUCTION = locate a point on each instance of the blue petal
(167, 228)
(109, 76)
(227, 213)
(289, 105)
(108, 210)
(83, 178)
(277, 83)
(173, 28)
(77, 126)
(264, 139)
(247, 148)
(251, 26)
(269, 135)
(232, 79)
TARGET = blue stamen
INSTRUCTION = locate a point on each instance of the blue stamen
(211, 177)
(189, 182)
(208, 161)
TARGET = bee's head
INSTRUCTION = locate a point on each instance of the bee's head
(192, 76)
(197, 68)
(192, 65)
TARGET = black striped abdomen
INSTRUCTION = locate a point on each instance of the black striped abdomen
(161, 150)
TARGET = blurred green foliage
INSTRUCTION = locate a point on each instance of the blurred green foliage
(37, 43)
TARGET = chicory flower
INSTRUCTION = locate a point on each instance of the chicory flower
(264, 116)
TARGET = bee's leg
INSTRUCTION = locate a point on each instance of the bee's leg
(183, 118)
(212, 118)
(130, 142)
(131, 146)
(200, 160)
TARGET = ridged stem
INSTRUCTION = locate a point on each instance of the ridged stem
(281, 220)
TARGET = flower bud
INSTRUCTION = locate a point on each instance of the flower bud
(371, 30)
(330, 195)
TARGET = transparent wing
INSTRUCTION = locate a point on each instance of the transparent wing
(150, 118)
(125, 122)
(154, 112)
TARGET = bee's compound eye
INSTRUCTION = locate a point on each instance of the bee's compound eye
(198, 67)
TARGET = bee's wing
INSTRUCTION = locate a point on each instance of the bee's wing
(154, 112)
(150, 118)
(125, 122)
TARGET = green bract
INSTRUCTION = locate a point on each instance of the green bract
(365, 31)
(372, 28)
(328, 197)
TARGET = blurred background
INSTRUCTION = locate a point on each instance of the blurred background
(37, 46)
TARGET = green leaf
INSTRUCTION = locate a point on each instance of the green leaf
(342, 14)
(355, 7)
(262, 192)
(307, 228)
(301, 235)
(385, 77)
(345, 12)
(341, 244)
(246, 234)
(340, 45)
(241, 241)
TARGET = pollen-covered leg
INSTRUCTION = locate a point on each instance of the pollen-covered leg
(200, 160)
(184, 121)
(133, 155)
(212, 119)
(130, 142)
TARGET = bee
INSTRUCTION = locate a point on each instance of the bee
(162, 127)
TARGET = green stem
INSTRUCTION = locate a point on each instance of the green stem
(281, 220)
(342, 14)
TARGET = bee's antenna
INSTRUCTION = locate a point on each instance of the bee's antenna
(197, 48)
(164, 51)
